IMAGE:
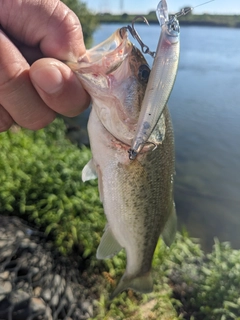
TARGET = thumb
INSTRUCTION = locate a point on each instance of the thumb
(59, 87)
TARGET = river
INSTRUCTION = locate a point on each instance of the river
(205, 108)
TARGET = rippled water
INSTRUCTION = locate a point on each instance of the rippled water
(205, 108)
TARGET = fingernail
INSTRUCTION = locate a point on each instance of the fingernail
(48, 79)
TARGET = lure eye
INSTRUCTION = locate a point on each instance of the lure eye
(143, 73)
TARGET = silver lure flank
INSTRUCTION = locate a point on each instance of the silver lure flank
(161, 80)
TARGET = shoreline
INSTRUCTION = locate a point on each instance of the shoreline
(205, 20)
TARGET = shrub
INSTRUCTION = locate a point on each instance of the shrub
(207, 285)
(40, 179)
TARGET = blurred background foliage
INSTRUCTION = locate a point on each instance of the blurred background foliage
(231, 21)
(88, 20)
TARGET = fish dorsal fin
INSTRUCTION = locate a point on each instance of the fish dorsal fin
(108, 246)
(143, 284)
(170, 228)
(89, 171)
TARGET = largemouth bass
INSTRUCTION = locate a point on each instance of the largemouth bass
(137, 195)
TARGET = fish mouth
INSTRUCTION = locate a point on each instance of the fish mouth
(104, 57)
(115, 75)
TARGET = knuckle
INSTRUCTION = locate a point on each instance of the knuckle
(9, 76)
(5, 120)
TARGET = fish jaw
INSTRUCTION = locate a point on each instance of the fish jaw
(116, 80)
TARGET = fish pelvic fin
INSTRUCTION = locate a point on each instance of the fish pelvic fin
(142, 284)
(89, 171)
(108, 246)
(170, 228)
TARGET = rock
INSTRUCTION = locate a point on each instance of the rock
(37, 291)
(18, 297)
(46, 295)
(26, 243)
(3, 243)
(5, 288)
(87, 308)
(20, 235)
(69, 294)
(4, 275)
(55, 300)
(37, 306)
(36, 282)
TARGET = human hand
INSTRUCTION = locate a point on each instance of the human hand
(32, 94)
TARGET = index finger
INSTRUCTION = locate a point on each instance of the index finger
(49, 24)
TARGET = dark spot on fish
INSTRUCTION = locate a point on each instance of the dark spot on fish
(143, 73)
(146, 125)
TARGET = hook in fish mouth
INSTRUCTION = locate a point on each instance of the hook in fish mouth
(132, 154)
(145, 49)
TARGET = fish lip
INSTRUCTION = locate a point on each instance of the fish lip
(107, 55)
(148, 147)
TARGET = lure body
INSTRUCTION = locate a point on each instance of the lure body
(161, 80)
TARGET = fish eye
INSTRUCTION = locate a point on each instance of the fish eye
(143, 73)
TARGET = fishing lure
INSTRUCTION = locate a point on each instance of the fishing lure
(162, 76)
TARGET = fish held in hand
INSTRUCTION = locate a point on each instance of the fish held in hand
(137, 195)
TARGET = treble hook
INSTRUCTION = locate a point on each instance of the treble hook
(134, 33)
(133, 154)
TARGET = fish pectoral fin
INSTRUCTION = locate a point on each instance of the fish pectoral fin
(89, 171)
(108, 246)
(142, 284)
(170, 229)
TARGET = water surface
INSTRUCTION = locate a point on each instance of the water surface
(205, 108)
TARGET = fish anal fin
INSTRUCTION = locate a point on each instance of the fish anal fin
(108, 246)
(170, 228)
(89, 171)
(142, 284)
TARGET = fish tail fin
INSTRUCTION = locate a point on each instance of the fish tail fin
(143, 284)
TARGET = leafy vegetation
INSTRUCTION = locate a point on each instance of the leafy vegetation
(40, 181)
(208, 285)
(188, 285)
